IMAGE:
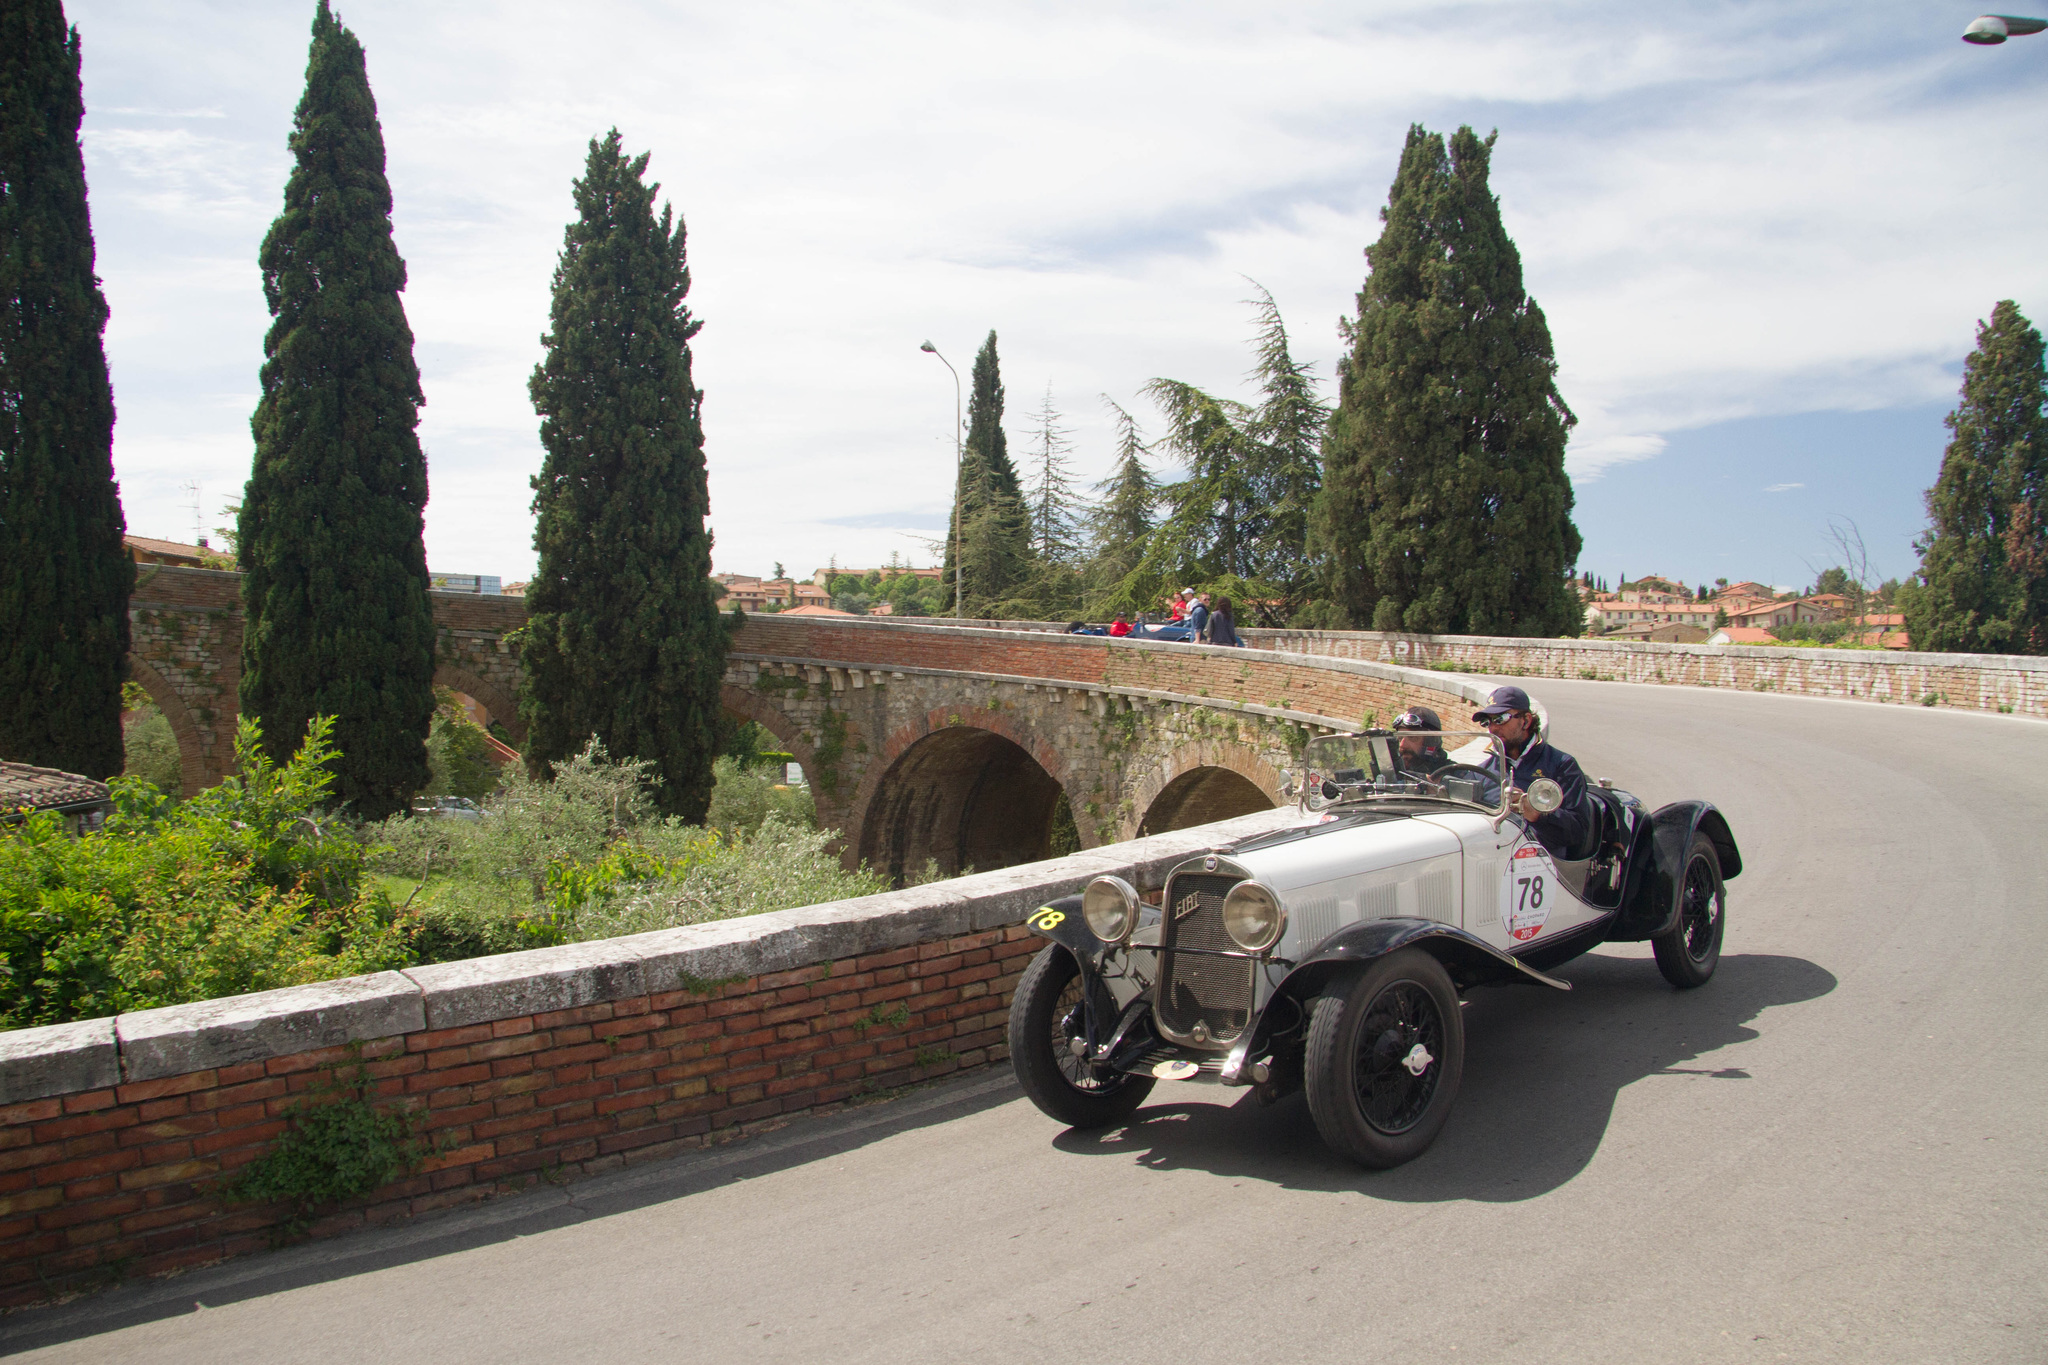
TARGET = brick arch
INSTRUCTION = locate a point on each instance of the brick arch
(193, 776)
(1187, 761)
(942, 806)
(750, 705)
(501, 704)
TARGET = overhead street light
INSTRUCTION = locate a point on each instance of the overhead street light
(1989, 29)
(959, 551)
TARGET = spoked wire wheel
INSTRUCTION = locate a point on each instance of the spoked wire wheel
(1386, 1051)
(1690, 950)
(1046, 1015)
(1395, 1082)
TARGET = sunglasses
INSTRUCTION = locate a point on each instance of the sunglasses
(1490, 721)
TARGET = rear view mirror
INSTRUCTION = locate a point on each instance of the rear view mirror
(1545, 795)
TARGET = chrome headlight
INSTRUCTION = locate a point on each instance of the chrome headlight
(1252, 917)
(1110, 905)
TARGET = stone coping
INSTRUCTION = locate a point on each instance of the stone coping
(93, 1054)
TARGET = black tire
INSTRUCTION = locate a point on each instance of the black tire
(1044, 1015)
(1688, 953)
(1368, 1103)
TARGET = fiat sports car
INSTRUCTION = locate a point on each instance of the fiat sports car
(1332, 955)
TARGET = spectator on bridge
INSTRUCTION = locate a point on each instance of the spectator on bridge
(1120, 626)
(1198, 616)
(1181, 600)
(1222, 627)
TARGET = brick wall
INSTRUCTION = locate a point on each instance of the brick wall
(116, 1133)
(121, 1177)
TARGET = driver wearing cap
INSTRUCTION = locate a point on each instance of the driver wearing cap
(1510, 717)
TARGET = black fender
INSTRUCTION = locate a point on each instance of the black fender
(1471, 961)
(1062, 922)
(1656, 863)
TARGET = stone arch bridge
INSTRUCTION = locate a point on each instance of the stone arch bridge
(922, 743)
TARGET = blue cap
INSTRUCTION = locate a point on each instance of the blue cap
(1504, 701)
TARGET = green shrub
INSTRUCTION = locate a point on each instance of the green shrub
(339, 1145)
(153, 750)
(744, 797)
(584, 857)
(236, 890)
(459, 758)
(776, 867)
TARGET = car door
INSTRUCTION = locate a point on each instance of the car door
(1513, 897)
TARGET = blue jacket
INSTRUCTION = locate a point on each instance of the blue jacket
(1198, 616)
(1565, 827)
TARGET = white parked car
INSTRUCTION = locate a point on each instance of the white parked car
(1332, 955)
(448, 808)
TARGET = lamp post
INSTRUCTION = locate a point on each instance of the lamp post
(1988, 29)
(959, 550)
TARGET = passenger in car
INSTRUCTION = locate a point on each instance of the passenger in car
(1511, 717)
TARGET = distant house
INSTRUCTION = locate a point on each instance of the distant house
(82, 802)
(144, 550)
(755, 594)
(1742, 635)
(1795, 611)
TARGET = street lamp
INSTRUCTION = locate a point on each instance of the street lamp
(1988, 29)
(959, 551)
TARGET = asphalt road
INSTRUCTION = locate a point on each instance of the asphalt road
(1837, 1150)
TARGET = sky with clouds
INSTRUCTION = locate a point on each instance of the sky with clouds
(1763, 235)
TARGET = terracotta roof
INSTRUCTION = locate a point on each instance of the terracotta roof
(23, 784)
(815, 611)
(1742, 635)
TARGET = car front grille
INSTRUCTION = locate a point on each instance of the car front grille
(1195, 988)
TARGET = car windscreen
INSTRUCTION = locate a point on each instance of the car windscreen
(1408, 765)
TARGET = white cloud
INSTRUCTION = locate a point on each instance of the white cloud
(1724, 212)
(1771, 488)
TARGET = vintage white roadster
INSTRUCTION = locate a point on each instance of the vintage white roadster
(1332, 955)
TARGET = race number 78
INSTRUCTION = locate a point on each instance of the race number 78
(1531, 896)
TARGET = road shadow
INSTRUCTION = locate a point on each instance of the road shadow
(1541, 1074)
(514, 1215)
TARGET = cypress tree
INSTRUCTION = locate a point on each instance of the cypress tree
(64, 574)
(625, 642)
(335, 587)
(995, 535)
(1982, 586)
(1446, 507)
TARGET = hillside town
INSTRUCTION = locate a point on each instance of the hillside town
(1659, 609)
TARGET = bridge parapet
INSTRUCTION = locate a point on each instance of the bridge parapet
(934, 745)
(2013, 684)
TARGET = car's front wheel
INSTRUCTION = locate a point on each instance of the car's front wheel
(1690, 950)
(1385, 1054)
(1046, 1015)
